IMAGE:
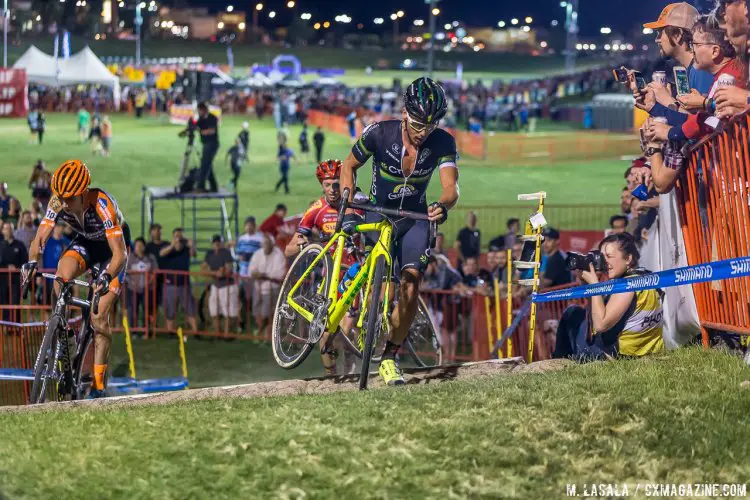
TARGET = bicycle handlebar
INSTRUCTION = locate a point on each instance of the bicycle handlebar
(94, 301)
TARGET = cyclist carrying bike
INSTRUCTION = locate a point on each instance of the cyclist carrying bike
(322, 216)
(405, 153)
(102, 237)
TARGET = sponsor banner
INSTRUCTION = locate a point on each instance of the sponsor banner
(713, 271)
(180, 114)
(14, 98)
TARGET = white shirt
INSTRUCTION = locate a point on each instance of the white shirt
(272, 265)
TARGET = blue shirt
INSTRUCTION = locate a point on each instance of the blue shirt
(53, 250)
(285, 154)
(247, 245)
(699, 79)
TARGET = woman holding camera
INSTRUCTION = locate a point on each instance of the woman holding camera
(624, 324)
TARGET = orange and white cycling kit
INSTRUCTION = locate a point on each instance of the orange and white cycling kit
(102, 221)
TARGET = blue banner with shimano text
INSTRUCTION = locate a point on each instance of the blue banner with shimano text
(713, 271)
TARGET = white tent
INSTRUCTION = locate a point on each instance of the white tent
(81, 68)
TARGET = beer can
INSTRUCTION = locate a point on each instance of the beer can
(659, 77)
(725, 80)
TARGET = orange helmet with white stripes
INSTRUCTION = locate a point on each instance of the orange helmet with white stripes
(72, 178)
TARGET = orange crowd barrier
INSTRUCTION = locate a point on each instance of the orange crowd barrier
(714, 194)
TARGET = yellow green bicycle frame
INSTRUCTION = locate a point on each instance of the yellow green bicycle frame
(339, 306)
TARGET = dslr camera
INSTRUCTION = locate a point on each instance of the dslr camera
(580, 262)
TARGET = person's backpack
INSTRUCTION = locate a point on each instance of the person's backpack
(188, 183)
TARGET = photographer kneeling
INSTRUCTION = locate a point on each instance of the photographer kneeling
(624, 324)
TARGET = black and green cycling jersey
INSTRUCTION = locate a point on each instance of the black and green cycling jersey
(383, 142)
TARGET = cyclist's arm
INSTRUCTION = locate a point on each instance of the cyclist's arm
(348, 168)
(108, 213)
(45, 229)
(119, 255)
(360, 153)
(449, 183)
(293, 248)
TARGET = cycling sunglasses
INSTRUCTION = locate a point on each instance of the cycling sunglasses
(420, 127)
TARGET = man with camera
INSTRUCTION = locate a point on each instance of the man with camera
(208, 128)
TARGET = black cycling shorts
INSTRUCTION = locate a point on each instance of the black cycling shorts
(411, 242)
(92, 252)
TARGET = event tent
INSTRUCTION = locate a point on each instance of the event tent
(81, 68)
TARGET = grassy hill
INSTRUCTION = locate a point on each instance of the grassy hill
(674, 418)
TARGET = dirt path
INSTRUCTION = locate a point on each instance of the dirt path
(308, 386)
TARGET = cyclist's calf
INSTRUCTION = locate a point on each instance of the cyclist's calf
(404, 314)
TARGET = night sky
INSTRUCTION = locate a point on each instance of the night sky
(621, 15)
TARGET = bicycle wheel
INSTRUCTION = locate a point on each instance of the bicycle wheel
(423, 341)
(374, 323)
(45, 367)
(83, 368)
(290, 332)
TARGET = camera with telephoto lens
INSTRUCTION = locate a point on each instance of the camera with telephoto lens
(580, 262)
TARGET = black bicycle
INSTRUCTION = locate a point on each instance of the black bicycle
(63, 367)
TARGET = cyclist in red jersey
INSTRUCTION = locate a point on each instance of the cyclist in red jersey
(321, 218)
(102, 237)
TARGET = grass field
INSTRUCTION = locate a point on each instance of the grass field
(148, 152)
(676, 418)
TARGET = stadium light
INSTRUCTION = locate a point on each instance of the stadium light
(378, 20)
(327, 24)
(647, 31)
(316, 26)
(526, 29)
(220, 25)
(400, 13)
(419, 22)
(605, 30)
(435, 11)
(593, 46)
(241, 26)
(394, 17)
(447, 26)
(500, 24)
(579, 46)
(306, 16)
(272, 14)
(259, 6)
(514, 21)
(529, 20)
(230, 8)
(543, 45)
(290, 4)
(563, 4)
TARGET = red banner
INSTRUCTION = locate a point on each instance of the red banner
(14, 98)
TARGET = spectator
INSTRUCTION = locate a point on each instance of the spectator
(247, 245)
(106, 135)
(617, 224)
(53, 250)
(175, 257)
(556, 273)
(284, 156)
(41, 125)
(733, 18)
(33, 120)
(457, 307)
(267, 269)
(95, 135)
(26, 230)
(208, 125)
(244, 137)
(475, 126)
(140, 103)
(351, 120)
(234, 155)
(40, 182)
(275, 221)
(624, 324)
(223, 295)
(469, 239)
(304, 143)
(626, 200)
(37, 214)
(439, 248)
(13, 254)
(140, 265)
(497, 261)
(10, 207)
(83, 124)
(318, 140)
(514, 227)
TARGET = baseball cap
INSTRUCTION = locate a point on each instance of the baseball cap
(551, 233)
(679, 15)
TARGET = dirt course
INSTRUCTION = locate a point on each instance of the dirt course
(307, 386)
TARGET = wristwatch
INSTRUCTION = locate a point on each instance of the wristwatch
(651, 151)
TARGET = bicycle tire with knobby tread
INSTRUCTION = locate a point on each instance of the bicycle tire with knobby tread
(374, 312)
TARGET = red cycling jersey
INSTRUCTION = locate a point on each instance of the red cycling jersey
(323, 216)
